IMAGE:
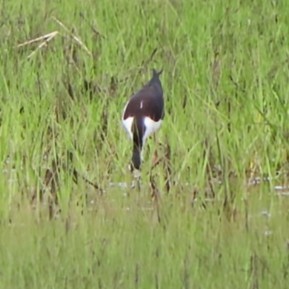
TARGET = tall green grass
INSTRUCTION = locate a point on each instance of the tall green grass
(69, 217)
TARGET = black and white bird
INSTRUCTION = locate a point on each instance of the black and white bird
(143, 115)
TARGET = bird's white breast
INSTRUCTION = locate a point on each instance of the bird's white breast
(151, 127)
(127, 123)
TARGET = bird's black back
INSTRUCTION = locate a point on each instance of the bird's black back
(148, 101)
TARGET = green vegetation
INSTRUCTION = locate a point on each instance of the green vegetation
(68, 215)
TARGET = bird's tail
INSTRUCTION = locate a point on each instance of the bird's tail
(156, 77)
(157, 73)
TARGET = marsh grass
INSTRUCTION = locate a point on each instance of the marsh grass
(207, 214)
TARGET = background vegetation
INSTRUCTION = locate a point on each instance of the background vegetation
(212, 210)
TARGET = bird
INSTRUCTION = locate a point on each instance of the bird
(143, 115)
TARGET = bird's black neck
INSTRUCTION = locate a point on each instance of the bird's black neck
(138, 132)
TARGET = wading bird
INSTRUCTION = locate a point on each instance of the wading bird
(143, 115)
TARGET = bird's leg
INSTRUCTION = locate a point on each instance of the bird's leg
(136, 179)
(136, 176)
(136, 160)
